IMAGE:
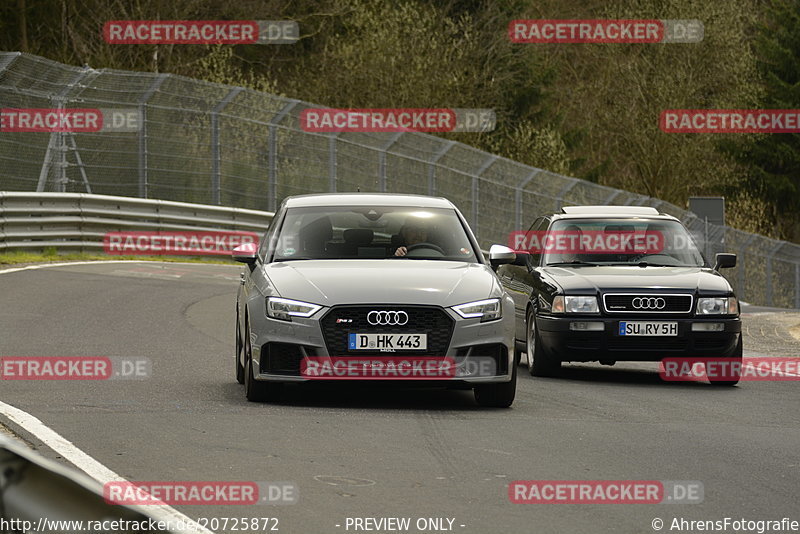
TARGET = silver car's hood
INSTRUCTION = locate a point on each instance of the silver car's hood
(331, 282)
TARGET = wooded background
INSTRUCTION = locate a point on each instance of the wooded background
(584, 110)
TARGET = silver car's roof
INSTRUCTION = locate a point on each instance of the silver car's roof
(367, 199)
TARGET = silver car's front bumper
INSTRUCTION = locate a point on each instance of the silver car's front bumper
(467, 345)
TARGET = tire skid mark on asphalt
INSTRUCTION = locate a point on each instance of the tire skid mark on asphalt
(70, 452)
(438, 446)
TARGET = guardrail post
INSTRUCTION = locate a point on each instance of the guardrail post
(382, 161)
(432, 166)
(143, 184)
(475, 191)
(518, 197)
(215, 148)
(272, 184)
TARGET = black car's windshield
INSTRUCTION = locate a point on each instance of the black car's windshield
(380, 232)
(643, 242)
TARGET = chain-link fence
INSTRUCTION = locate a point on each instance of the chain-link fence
(192, 141)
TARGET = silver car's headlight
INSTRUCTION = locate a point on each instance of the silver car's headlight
(487, 310)
(285, 309)
(580, 304)
(717, 306)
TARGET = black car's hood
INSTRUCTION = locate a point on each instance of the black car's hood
(619, 277)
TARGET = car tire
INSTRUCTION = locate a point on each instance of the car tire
(736, 357)
(497, 395)
(256, 390)
(238, 358)
(539, 363)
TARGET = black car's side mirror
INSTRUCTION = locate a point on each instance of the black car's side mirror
(724, 260)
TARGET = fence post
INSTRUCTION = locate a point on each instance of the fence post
(382, 161)
(272, 184)
(518, 197)
(475, 198)
(566, 189)
(216, 164)
(333, 146)
(432, 166)
(741, 261)
(143, 184)
(797, 285)
(769, 272)
(57, 141)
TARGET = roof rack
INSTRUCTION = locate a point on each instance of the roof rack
(610, 210)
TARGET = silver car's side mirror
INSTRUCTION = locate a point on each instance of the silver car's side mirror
(245, 253)
(500, 254)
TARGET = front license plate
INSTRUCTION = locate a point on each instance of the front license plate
(648, 328)
(387, 342)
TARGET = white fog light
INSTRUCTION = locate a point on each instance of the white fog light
(708, 327)
(587, 326)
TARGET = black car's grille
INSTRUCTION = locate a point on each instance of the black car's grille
(647, 303)
(343, 320)
(624, 343)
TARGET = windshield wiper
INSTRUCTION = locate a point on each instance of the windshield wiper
(573, 262)
(649, 264)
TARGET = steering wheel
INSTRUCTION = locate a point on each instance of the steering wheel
(416, 246)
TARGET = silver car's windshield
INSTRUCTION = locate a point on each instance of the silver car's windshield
(654, 242)
(380, 232)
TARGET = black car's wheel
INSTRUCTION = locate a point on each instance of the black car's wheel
(736, 358)
(539, 364)
(497, 395)
(255, 390)
(238, 358)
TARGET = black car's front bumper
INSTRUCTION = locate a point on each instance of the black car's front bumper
(565, 344)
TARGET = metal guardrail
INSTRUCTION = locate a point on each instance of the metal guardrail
(194, 141)
(79, 220)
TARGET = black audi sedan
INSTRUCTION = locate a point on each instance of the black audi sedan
(614, 283)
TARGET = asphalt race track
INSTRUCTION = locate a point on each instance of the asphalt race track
(356, 452)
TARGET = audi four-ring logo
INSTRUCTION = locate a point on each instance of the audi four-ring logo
(387, 318)
(648, 303)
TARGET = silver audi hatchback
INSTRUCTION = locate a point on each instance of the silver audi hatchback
(373, 287)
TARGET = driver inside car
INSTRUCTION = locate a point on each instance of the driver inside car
(411, 233)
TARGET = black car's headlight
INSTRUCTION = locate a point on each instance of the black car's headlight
(717, 306)
(285, 309)
(487, 310)
(575, 304)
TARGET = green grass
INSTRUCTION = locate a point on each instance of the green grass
(51, 255)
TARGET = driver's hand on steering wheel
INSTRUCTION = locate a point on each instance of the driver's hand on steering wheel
(401, 251)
